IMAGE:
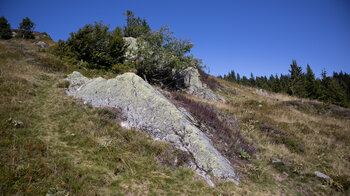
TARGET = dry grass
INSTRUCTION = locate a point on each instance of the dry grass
(324, 137)
(55, 144)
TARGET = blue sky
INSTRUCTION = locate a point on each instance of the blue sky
(255, 36)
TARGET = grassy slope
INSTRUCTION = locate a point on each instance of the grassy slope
(66, 147)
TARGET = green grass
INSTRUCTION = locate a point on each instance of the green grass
(52, 143)
(67, 147)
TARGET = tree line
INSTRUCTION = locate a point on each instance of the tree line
(333, 89)
(25, 29)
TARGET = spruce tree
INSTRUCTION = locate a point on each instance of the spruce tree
(135, 27)
(297, 82)
(26, 28)
(252, 79)
(310, 84)
(5, 29)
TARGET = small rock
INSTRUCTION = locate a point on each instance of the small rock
(259, 105)
(261, 92)
(321, 175)
(275, 160)
(285, 174)
(15, 123)
(42, 44)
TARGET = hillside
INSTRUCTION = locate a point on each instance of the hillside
(52, 143)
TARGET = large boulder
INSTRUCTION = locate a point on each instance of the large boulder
(145, 108)
(189, 80)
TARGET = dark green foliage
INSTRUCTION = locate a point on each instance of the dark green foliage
(160, 53)
(296, 84)
(335, 89)
(94, 46)
(331, 91)
(5, 29)
(310, 83)
(26, 28)
(135, 27)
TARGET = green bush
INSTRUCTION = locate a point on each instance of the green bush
(123, 68)
(5, 29)
(94, 46)
(160, 53)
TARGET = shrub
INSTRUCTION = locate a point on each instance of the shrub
(95, 45)
(159, 53)
(244, 155)
(123, 68)
(5, 29)
(26, 28)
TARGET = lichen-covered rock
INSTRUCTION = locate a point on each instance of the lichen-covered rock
(189, 80)
(262, 92)
(145, 108)
(132, 48)
(42, 44)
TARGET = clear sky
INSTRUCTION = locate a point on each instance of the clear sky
(258, 36)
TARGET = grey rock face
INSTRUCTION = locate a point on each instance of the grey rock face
(145, 108)
(261, 92)
(189, 79)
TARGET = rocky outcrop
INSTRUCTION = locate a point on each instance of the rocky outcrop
(145, 108)
(42, 44)
(189, 80)
(131, 49)
(262, 92)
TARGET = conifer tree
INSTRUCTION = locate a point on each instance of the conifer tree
(5, 29)
(135, 27)
(296, 85)
(26, 28)
(238, 78)
(310, 84)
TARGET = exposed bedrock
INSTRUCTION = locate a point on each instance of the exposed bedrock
(145, 108)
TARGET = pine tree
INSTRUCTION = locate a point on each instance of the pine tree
(252, 79)
(238, 78)
(5, 29)
(310, 84)
(297, 82)
(26, 28)
(331, 91)
(135, 27)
